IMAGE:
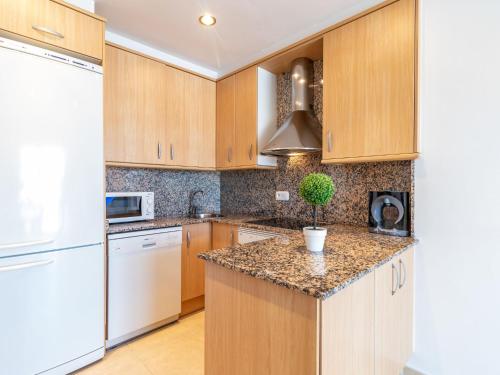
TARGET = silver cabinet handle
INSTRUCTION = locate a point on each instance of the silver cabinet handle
(159, 150)
(48, 30)
(21, 266)
(250, 152)
(148, 245)
(232, 236)
(172, 155)
(395, 280)
(329, 140)
(402, 268)
(188, 239)
(25, 244)
(229, 154)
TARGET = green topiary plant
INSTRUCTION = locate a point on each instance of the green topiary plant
(317, 189)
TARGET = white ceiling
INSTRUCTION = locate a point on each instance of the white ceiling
(245, 31)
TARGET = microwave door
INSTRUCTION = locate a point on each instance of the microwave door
(124, 207)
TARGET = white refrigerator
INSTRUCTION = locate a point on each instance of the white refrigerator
(51, 212)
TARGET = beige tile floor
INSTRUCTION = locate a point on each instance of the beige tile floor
(174, 350)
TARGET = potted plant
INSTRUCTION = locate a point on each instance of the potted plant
(316, 189)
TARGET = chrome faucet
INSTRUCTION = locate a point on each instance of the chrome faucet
(195, 209)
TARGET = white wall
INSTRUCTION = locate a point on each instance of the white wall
(88, 5)
(457, 212)
(150, 51)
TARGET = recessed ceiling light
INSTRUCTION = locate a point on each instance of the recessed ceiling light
(207, 20)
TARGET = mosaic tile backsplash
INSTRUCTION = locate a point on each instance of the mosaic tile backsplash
(172, 188)
(252, 192)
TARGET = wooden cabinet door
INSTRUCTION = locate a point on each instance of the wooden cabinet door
(224, 235)
(199, 113)
(134, 108)
(387, 316)
(347, 329)
(177, 131)
(394, 314)
(405, 300)
(225, 122)
(196, 238)
(245, 133)
(54, 24)
(369, 85)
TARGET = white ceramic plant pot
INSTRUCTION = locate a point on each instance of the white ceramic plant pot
(315, 238)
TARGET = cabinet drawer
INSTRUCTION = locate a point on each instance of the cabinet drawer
(55, 24)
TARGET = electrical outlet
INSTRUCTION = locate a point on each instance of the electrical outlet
(282, 195)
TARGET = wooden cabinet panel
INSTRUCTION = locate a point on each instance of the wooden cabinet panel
(78, 32)
(196, 238)
(406, 297)
(394, 314)
(199, 113)
(224, 235)
(134, 108)
(245, 139)
(253, 327)
(225, 122)
(369, 86)
(347, 324)
(177, 132)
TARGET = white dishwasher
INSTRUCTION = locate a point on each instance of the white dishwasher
(144, 282)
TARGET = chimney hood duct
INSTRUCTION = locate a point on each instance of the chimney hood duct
(300, 133)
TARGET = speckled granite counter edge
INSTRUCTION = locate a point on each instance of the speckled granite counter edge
(293, 286)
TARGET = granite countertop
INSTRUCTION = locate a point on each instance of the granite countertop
(178, 221)
(350, 253)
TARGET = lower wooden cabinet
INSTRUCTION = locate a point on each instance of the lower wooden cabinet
(196, 239)
(224, 235)
(255, 327)
(394, 314)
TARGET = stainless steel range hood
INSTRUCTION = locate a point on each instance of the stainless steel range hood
(300, 133)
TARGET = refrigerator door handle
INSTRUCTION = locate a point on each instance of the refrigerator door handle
(25, 244)
(21, 266)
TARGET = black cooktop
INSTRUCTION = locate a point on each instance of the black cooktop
(283, 222)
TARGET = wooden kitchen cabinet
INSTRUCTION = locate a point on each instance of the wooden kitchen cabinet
(55, 23)
(156, 115)
(225, 122)
(134, 108)
(190, 123)
(369, 87)
(394, 314)
(237, 120)
(224, 235)
(199, 109)
(196, 239)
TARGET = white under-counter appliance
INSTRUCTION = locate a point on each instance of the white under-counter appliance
(52, 222)
(122, 207)
(144, 282)
(247, 235)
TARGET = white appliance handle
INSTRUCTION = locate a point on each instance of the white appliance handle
(24, 244)
(21, 266)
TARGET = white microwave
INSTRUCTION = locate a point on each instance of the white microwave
(126, 207)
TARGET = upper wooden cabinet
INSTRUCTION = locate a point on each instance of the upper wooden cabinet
(134, 108)
(237, 120)
(56, 24)
(369, 87)
(157, 115)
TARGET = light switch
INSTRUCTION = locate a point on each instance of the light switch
(282, 195)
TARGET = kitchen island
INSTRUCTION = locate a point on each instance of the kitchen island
(272, 307)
